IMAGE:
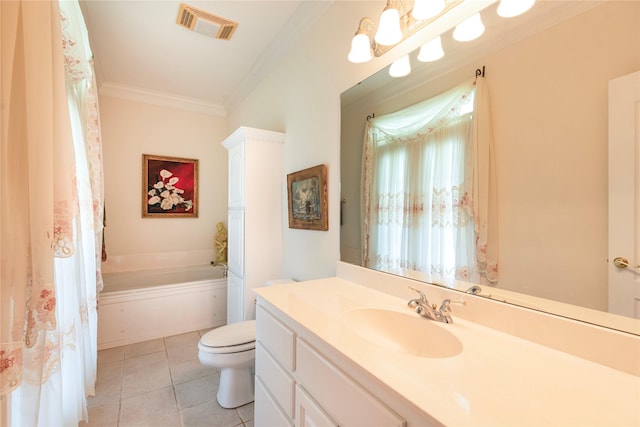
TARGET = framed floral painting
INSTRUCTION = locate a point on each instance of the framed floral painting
(169, 187)
(308, 198)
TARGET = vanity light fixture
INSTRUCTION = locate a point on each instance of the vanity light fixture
(469, 29)
(431, 51)
(511, 8)
(400, 67)
(396, 24)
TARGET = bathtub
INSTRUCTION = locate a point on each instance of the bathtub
(142, 305)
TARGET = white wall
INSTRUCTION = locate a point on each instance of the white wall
(130, 129)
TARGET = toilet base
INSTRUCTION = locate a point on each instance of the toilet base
(236, 387)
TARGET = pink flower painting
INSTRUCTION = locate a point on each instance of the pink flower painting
(170, 186)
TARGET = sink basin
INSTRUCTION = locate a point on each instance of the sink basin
(402, 332)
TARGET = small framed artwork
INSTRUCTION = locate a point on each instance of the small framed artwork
(169, 187)
(308, 198)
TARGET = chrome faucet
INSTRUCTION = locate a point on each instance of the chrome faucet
(422, 306)
(225, 267)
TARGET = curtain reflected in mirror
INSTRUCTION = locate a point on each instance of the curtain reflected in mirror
(424, 190)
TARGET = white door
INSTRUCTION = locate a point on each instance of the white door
(624, 195)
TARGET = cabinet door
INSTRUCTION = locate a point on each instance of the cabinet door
(235, 298)
(235, 252)
(309, 413)
(236, 176)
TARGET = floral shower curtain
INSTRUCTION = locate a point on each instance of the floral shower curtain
(429, 188)
(50, 216)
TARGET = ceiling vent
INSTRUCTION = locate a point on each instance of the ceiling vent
(205, 23)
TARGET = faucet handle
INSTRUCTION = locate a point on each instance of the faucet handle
(445, 309)
(446, 304)
(420, 293)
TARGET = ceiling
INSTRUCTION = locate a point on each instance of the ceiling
(140, 49)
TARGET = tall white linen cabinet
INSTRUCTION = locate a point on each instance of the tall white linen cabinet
(254, 217)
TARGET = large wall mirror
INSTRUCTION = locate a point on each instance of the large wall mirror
(548, 73)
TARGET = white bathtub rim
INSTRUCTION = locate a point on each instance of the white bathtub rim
(157, 291)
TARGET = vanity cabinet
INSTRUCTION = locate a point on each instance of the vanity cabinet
(254, 217)
(297, 384)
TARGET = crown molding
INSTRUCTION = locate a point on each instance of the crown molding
(161, 99)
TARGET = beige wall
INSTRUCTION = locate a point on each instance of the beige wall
(549, 100)
(130, 129)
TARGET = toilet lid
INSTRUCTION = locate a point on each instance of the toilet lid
(241, 334)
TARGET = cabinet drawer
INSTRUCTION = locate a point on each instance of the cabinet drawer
(280, 383)
(346, 401)
(266, 412)
(276, 337)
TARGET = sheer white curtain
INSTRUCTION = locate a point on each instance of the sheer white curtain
(50, 218)
(420, 173)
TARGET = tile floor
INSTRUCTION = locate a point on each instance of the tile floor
(160, 383)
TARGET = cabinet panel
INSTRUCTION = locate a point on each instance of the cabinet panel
(266, 411)
(309, 413)
(345, 400)
(276, 337)
(236, 176)
(280, 382)
(255, 211)
(235, 251)
(235, 298)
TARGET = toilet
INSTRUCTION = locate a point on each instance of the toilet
(231, 348)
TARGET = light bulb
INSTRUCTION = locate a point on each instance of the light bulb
(400, 67)
(469, 29)
(389, 32)
(511, 8)
(425, 9)
(431, 51)
(360, 49)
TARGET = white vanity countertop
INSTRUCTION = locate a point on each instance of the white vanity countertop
(497, 379)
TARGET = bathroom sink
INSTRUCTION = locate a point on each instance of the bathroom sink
(402, 332)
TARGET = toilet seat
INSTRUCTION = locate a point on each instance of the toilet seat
(233, 338)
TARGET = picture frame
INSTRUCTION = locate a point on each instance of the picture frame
(169, 187)
(307, 190)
